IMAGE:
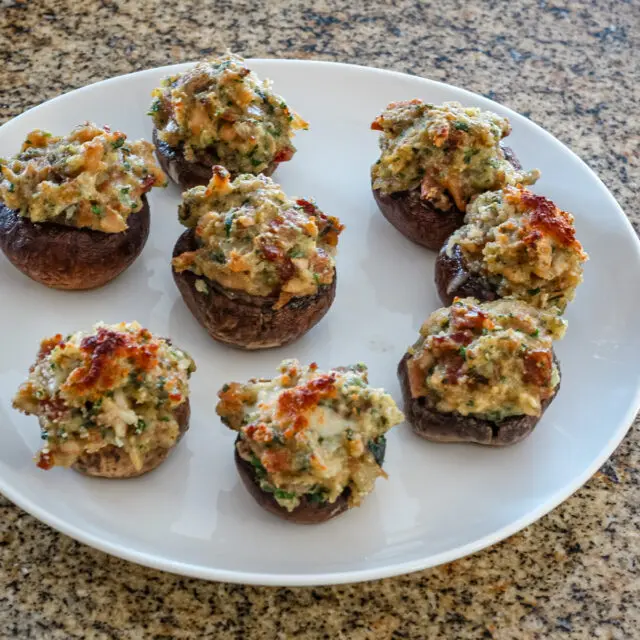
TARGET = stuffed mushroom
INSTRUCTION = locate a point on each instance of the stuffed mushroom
(255, 267)
(514, 244)
(310, 444)
(220, 113)
(481, 372)
(434, 160)
(111, 403)
(73, 209)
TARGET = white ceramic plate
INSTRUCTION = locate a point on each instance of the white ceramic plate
(192, 516)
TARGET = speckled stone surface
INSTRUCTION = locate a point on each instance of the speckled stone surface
(572, 67)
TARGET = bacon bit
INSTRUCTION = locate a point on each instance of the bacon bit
(455, 364)
(286, 269)
(546, 217)
(275, 460)
(537, 367)
(283, 155)
(451, 342)
(54, 408)
(313, 366)
(258, 432)
(308, 207)
(285, 266)
(45, 461)
(293, 403)
(147, 183)
(48, 345)
(271, 252)
(462, 337)
(469, 317)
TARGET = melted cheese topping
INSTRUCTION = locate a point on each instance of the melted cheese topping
(251, 236)
(117, 385)
(524, 245)
(219, 112)
(94, 178)
(490, 360)
(450, 152)
(310, 433)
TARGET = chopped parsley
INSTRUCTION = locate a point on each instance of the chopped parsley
(141, 426)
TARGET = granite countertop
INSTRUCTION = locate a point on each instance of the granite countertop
(569, 66)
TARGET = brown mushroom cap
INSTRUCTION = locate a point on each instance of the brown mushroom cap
(189, 174)
(65, 257)
(307, 512)
(417, 219)
(113, 462)
(438, 426)
(420, 221)
(246, 321)
(455, 280)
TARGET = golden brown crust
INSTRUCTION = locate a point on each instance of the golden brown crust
(437, 426)
(420, 221)
(114, 462)
(307, 512)
(64, 257)
(245, 321)
(189, 174)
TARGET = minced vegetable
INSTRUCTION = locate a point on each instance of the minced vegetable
(491, 360)
(524, 245)
(251, 236)
(92, 178)
(116, 385)
(220, 112)
(450, 152)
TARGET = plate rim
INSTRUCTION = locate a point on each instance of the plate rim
(192, 570)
